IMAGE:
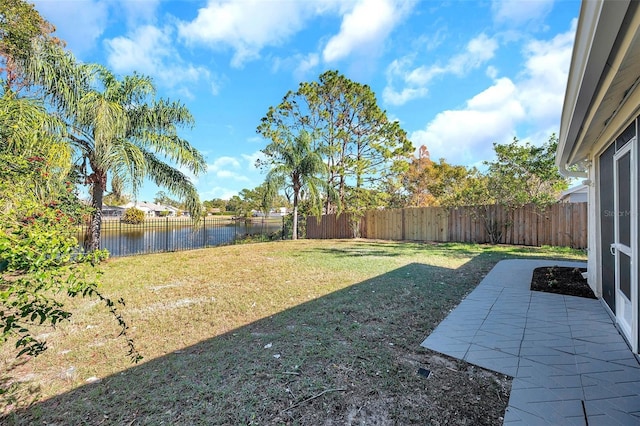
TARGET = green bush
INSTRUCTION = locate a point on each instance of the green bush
(40, 261)
(288, 227)
(133, 216)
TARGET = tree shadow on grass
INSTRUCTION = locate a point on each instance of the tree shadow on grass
(350, 356)
(403, 248)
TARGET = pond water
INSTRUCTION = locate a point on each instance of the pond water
(173, 235)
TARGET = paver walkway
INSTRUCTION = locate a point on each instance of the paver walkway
(570, 364)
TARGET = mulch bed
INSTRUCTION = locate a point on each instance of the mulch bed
(561, 280)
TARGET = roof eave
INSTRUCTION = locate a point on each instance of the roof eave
(594, 41)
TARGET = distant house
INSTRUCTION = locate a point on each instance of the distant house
(599, 143)
(152, 209)
(280, 211)
(173, 211)
(576, 194)
(112, 211)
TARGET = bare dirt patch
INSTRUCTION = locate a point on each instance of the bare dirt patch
(561, 280)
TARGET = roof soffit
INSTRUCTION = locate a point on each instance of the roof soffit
(596, 37)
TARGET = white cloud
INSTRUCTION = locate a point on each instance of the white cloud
(461, 136)
(302, 65)
(221, 162)
(431, 41)
(189, 174)
(217, 192)
(252, 158)
(393, 97)
(245, 26)
(228, 168)
(415, 80)
(478, 51)
(215, 87)
(79, 23)
(365, 27)
(256, 139)
(502, 91)
(534, 100)
(518, 12)
(137, 11)
(150, 50)
(82, 23)
(492, 72)
(545, 77)
(306, 64)
(228, 174)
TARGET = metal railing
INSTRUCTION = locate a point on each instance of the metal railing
(164, 234)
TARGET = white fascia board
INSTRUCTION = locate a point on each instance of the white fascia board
(598, 26)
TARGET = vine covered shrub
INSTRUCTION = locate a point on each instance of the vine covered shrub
(40, 261)
(133, 216)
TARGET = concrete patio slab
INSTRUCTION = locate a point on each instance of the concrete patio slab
(570, 364)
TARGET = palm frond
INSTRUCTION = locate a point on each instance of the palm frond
(27, 129)
(175, 181)
(173, 147)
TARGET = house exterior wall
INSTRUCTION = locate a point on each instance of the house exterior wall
(620, 122)
(576, 197)
(598, 245)
(579, 197)
(602, 101)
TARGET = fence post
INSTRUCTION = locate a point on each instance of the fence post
(283, 230)
(120, 237)
(166, 238)
(204, 232)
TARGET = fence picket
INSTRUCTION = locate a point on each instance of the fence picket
(559, 224)
(173, 234)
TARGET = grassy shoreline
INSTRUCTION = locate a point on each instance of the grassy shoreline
(248, 334)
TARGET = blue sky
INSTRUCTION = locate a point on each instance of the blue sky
(458, 75)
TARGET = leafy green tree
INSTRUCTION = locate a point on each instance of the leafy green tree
(118, 128)
(252, 199)
(219, 203)
(216, 203)
(428, 183)
(293, 164)
(20, 25)
(27, 129)
(116, 197)
(360, 146)
(525, 174)
(39, 262)
(521, 174)
(133, 216)
(444, 180)
(236, 205)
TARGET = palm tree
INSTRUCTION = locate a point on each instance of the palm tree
(29, 131)
(117, 128)
(295, 166)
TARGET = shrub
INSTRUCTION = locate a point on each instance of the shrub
(133, 216)
(40, 262)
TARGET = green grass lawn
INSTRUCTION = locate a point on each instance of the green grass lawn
(295, 332)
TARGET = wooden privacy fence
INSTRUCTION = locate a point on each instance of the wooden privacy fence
(562, 224)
